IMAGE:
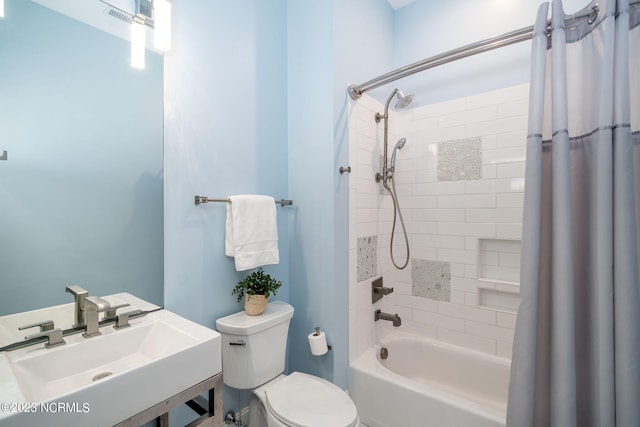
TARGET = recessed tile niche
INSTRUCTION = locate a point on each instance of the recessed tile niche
(498, 300)
(499, 260)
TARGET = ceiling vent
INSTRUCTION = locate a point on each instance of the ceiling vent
(119, 15)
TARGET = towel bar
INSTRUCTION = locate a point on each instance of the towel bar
(204, 199)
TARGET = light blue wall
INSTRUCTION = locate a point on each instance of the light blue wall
(81, 191)
(310, 70)
(256, 102)
(331, 43)
(225, 133)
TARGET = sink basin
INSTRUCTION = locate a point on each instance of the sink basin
(108, 378)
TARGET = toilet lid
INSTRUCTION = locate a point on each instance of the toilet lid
(302, 400)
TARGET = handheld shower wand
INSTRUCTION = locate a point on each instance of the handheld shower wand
(396, 206)
(398, 146)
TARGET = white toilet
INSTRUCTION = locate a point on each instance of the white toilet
(253, 356)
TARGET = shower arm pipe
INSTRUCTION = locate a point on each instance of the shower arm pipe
(513, 37)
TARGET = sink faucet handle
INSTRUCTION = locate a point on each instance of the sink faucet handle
(122, 319)
(79, 296)
(54, 337)
(110, 312)
(45, 325)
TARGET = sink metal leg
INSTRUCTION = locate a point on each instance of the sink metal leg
(163, 420)
(210, 411)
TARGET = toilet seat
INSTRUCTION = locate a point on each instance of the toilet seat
(301, 400)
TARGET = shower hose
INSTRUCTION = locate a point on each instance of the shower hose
(397, 213)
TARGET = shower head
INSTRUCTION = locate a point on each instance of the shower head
(398, 146)
(403, 100)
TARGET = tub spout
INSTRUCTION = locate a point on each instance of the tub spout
(386, 316)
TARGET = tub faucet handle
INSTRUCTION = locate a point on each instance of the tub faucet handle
(378, 291)
(383, 291)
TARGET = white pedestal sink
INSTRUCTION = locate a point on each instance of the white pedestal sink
(108, 378)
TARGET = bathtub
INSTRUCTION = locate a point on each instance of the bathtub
(427, 383)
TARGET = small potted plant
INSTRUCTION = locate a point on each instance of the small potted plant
(256, 289)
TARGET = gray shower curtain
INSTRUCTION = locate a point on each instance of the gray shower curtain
(576, 355)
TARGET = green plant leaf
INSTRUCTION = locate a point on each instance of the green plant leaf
(257, 283)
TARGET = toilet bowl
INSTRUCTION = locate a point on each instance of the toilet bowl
(300, 399)
(253, 356)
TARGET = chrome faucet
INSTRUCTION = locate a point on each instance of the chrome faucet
(79, 295)
(54, 336)
(92, 307)
(386, 316)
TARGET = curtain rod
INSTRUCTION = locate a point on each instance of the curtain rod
(517, 36)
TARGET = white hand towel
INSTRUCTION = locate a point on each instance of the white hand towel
(252, 231)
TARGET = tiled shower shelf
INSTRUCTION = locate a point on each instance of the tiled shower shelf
(499, 261)
(497, 299)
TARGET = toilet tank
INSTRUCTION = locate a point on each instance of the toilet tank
(254, 347)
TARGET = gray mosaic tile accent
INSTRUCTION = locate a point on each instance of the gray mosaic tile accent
(431, 279)
(460, 160)
(367, 257)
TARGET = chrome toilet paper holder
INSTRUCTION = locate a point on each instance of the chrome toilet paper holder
(317, 332)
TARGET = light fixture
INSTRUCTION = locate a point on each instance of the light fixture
(162, 24)
(138, 43)
(1, 8)
(154, 14)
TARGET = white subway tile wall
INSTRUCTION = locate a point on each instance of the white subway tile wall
(448, 221)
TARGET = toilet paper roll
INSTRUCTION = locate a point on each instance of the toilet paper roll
(318, 343)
